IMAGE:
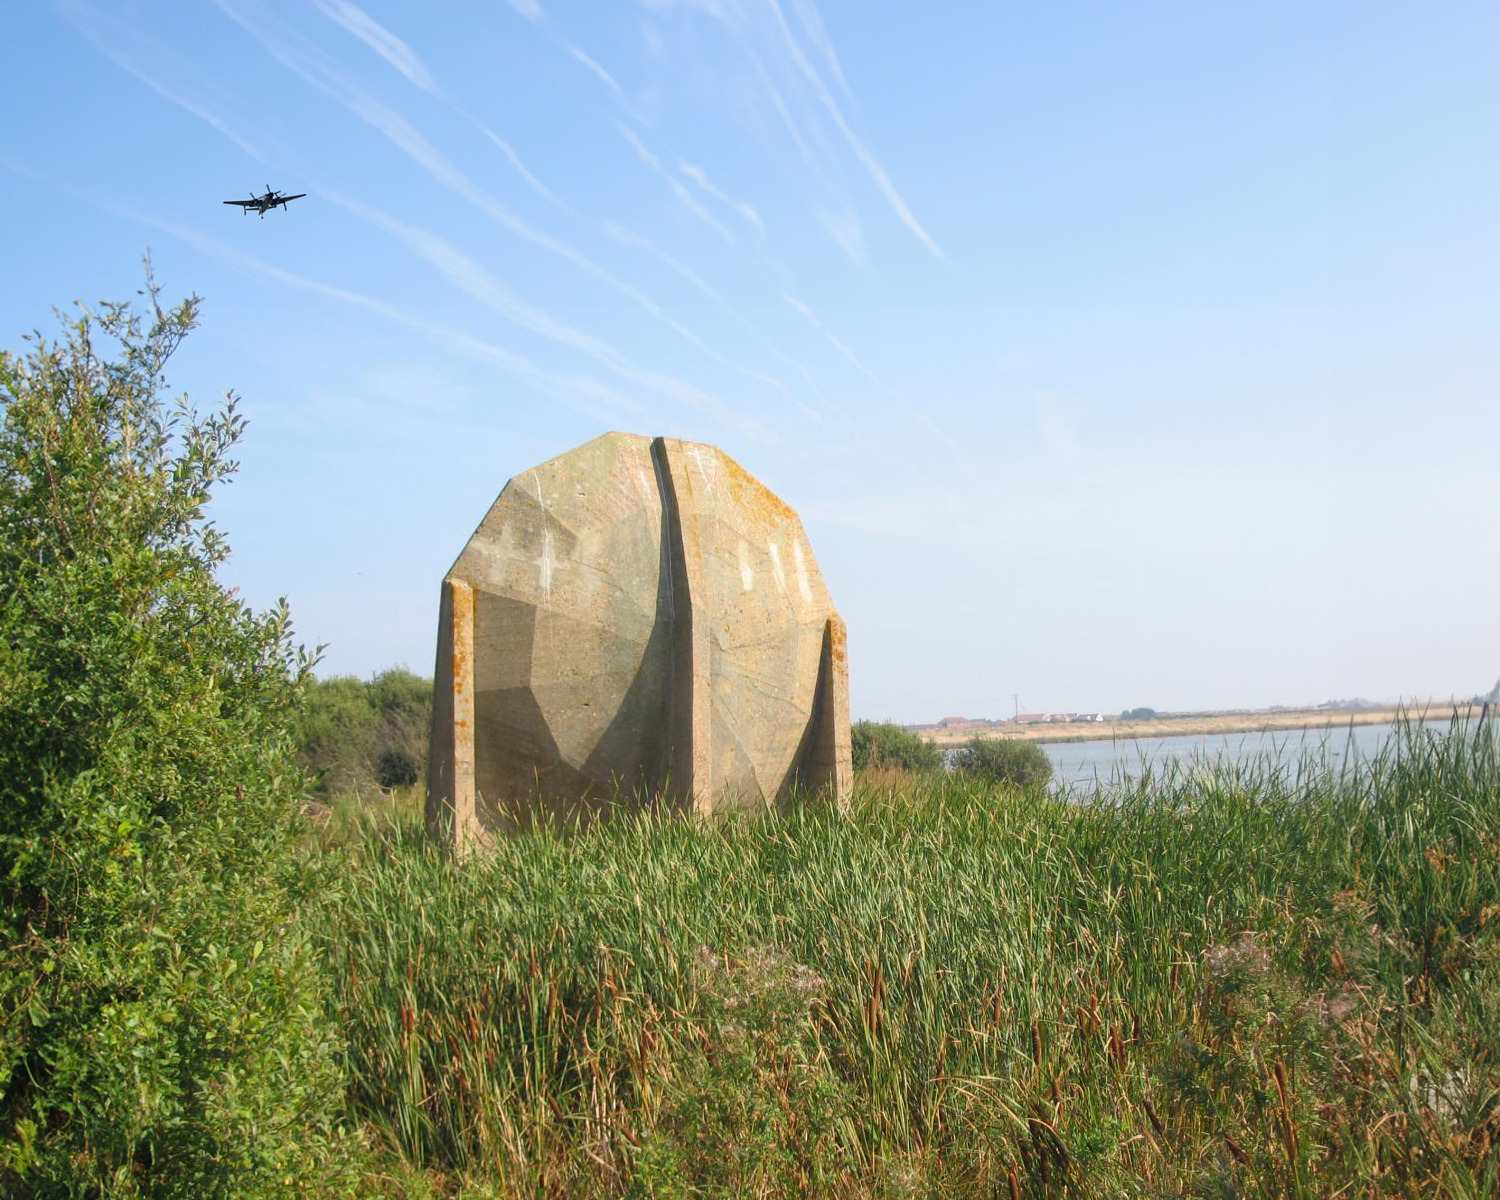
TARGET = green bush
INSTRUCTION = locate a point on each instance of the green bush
(356, 738)
(1024, 764)
(162, 1014)
(882, 744)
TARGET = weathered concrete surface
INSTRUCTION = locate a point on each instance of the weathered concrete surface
(636, 618)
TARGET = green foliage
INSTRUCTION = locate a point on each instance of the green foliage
(880, 744)
(1229, 979)
(1138, 714)
(357, 738)
(1002, 760)
(162, 1027)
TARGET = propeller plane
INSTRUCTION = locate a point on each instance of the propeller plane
(262, 203)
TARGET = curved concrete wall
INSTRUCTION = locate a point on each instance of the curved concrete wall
(637, 618)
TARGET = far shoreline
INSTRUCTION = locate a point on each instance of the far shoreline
(1190, 724)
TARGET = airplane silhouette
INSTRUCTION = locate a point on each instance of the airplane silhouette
(261, 203)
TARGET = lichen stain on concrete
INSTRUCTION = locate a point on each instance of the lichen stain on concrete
(750, 494)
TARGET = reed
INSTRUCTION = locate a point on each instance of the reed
(1273, 978)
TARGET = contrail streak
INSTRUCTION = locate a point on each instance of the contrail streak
(381, 40)
(877, 172)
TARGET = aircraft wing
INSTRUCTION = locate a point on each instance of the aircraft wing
(298, 196)
(246, 203)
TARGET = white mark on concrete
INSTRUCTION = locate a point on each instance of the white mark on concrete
(648, 488)
(747, 574)
(776, 566)
(802, 584)
(706, 469)
(547, 563)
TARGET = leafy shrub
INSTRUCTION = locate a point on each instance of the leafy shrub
(1138, 714)
(882, 744)
(356, 737)
(397, 767)
(162, 1028)
(1024, 764)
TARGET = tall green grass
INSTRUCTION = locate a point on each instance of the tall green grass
(1263, 979)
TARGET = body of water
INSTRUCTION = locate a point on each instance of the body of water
(1081, 763)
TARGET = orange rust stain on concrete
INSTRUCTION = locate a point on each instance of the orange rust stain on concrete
(466, 831)
(838, 645)
(463, 652)
(755, 496)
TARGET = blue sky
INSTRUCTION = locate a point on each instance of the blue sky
(1113, 354)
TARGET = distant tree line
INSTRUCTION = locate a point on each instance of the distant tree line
(357, 737)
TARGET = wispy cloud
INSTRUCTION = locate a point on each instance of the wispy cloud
(809, 385)
(126, 48)
(646, 156)
(579, 56)
(404, 59)
(806, 312)
(778, 102)
(536, 185)
(877, 172)
(591, 65)
(699, 176)
(904, 406)
(305, 61)
(817, 34)
(742, 23)
(470, 277)
(841, 346)
(529, 9)
(690, 183)
(591, 396)
(381, 40)
(627, 237)
(466, 274)
(844, 228)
